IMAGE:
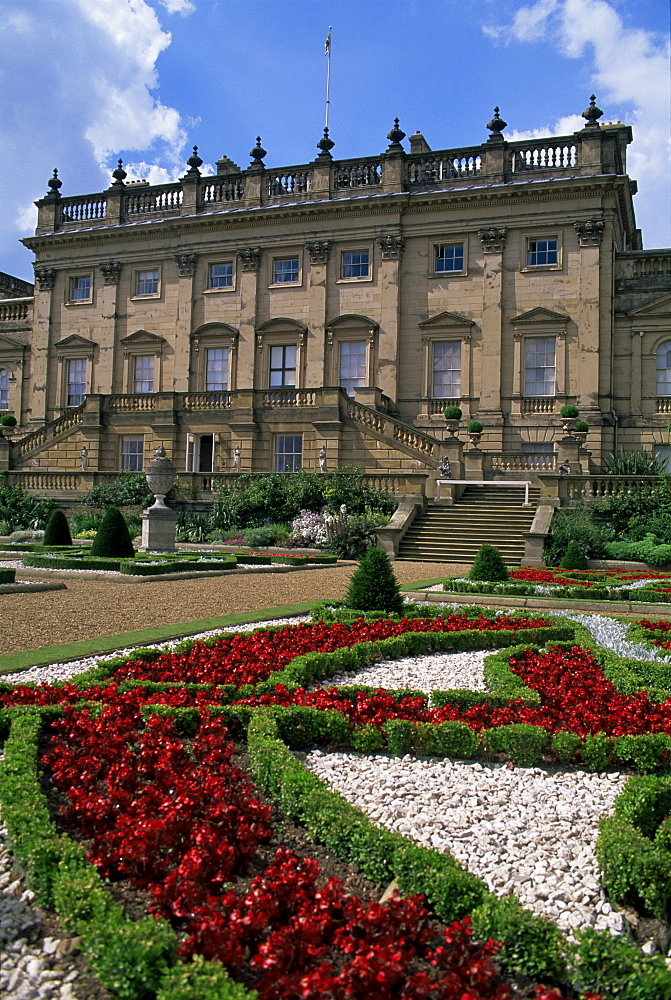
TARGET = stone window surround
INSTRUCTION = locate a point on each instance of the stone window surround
(211, 289)
(355, 248)
(349, 327)
(12, 357)
(69, 281)
(289, 255)
(432, 256)
(279, 332)
(146, 269)
(542, 235)
(140, 344)
(77, 349)
(124, 440)
(446, 327)
(213, 335)
(540, 323)
(432, 359)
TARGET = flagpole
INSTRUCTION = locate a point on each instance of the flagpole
(327, 50)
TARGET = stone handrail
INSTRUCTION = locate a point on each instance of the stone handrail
(13, 310)
(42, 436)
(423, 445)
(592, 488)
(51, 482)
(131, 403)
(589, 151)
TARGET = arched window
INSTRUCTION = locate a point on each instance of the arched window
(4, 389)
(664, 369)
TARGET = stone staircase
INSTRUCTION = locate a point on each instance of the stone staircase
(487, 513)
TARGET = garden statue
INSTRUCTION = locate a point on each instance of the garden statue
(445, 468)
(565, 468)
(236, 459)
(84, 458)
(322, 458)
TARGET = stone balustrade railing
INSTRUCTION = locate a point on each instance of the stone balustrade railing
(592, 488)
(16, 310)
(588, 151)
(50, 431)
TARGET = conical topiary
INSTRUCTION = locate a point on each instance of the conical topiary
(373, 586)
(574, 557)
(113, 538)
(488, 566)
(57, 531)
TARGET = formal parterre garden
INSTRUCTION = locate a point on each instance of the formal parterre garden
(645, 586)
(128, 775)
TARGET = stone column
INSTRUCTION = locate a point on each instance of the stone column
(594, 334)
(489, 412)
(38, 401)
(105, 380)
(186, 264)
(391, 248)
(248, 260)
(636, 374)
(319, 362)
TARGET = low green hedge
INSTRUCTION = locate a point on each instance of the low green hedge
(136, 568)
(44, 561)
(246, 559)
(130, 957)
(7, 575)
(142, 566)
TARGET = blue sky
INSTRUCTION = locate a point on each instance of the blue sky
(87, 81)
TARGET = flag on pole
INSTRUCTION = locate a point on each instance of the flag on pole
(327, 43)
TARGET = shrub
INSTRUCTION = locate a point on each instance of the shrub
(267, 534)
(574, 524)
(129, 489)
(614, 968)
(574, 557)
(531, 945)
(113, 538)
(521, 742)
(22, 510)
(201, 980)
(57, 531)
(474, 427)
(633, 463)
(8, 420)
(565, 745)
(367, 739)
(452, 413)
(350, 536)
(569, 412)
(581, 426)
(488, 565)
(596, 752)
(373, 586)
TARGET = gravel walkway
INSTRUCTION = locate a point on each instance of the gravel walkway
(91, 608)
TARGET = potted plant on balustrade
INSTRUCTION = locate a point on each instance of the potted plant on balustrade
(580, 429)
(475, 429)
(452, 417)
(569, 414)
(7, 424)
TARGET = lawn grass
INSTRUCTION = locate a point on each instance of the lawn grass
(9, 662)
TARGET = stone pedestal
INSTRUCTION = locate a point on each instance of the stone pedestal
(158, 529)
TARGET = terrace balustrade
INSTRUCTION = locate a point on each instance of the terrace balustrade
(585, 152)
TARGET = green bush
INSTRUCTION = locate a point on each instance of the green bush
(445, 739)
(521, 742)
(57, 531)
(596, 752)
(574, 524)
(280, 498)
(129, 489)
(531, 945)
(350, 536)
(574, 557)
(581, 426)
(399, 735)
(20, 510)
(565, 746)
(267, 534)
(452, 413)
(633, 463)
(488, 565)
(615, 968)
(7, 575)
(647, 550)
(367, 739)
(373, 585)
(8, 420)
(201, 980)
(474, 427)
(569, 412)
(113, 538)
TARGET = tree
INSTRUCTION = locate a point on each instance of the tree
(57, 531)
(373, 586)
(489, 565)
(113, 538)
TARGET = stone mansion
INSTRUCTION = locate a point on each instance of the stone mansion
(341, 304)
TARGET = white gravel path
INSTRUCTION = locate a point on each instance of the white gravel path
(525, 830)
(434, 672)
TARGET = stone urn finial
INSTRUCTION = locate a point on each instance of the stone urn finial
(161, 475)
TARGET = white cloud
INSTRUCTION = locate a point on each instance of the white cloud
(178, 6)
(630, 68)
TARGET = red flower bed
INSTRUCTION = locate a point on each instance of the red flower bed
(655, 630)
(180, 820)
(248, 659)
(585, 577)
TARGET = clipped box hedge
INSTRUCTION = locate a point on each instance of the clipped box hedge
(7, 575)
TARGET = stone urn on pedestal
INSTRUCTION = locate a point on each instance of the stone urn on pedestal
(475, 429)
(159, 521)
(452, 418)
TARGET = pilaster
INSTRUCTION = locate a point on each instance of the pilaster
(391, 247)
(489, 411)
(593, 336)
(111, 272)
(248, 259)
(319, 364)
(186, 266)
(45, 279)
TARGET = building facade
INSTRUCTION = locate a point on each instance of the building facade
(342, 305)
